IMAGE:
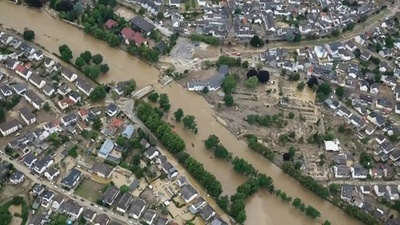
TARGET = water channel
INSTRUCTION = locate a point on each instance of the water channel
(262, 208)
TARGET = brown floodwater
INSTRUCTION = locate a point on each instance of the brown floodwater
(262, 208)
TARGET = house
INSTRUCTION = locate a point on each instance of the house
(395, 155)
(17, 177)
(387, 147)
(102, 170)
(110, 195)
(71, 179)
(382, 103)
(69, 119)
(42, 164)
(346, 193)
(390, 81)
(358, 122)
(132, 37)
(162, 221)
(23, 71)
(111, 24)
(6, 90)
(137, 207)
(188, 193)
(112, 109)
(84, 86)
(380, 139)
(64, 90)
(65, 103)
(393, 192)
(332, 145)
(101, 219)
(358, 172)
(34, 99)
(57, 202)
(149, 217)
(27, 116)
(146, 27)
(72, 209)
(374, 88)
(197, 205)
(341, 171)
(51, 173)
(151, 153)
(29, 160)
(38, 189)
(376, 119)
(128, 131)
(10, 127)
(48, 90)
(124, 202)
(38, 219)
(213, 84)
(37, 81)
(89, 215)
(48, 196)
(218, 221)
(380, 190)
(365, 56)
(49, 63)
(207, 213)
(364, 86)
(344, 112)
(106, 149)
(75, 97)
(68, 74)
(144, 143)
(11, 63)
(167, 167)
(366, 190)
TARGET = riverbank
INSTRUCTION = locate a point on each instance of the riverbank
(53, 33)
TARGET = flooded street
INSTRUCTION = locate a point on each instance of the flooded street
(262, 208)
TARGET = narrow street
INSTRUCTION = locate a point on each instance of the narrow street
(364, 182)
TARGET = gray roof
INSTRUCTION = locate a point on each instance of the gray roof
(34, 97)
(71, 206)
(29, 158)
(101, 219)
(149, 215)
(51, 170)
(5, 88)
(88, 213)
(102, 168)
(67, 72)
(16, 175)
(27, 113)
(162, 221)
(207, 212)
(140, 22)
(128, 131)
(125, 201)
(218, 221)
(48, 88)
(35, 78)
(110, 194)
(83, 84)
(188, 191)
(72, 176)
(213, 82)
(137, 206)
(18, 87)
(10, 124)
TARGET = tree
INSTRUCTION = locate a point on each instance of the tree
(339, 91)
(98, 93)
(296, 203)
(300, 86)
(291, 115)
(94, 72)
(66, 53)
(2, 115)
(28, 35)
(256, 41)
(104, 68)
(97, 59)
(292, 152)
(5, 216)
(366, 160)
(312, 212)
(294, 77)
(357, 53)
(341, 129)
(129, 87)
(228, 84)
(87, 56)
(153, 97)
(142, 11)
(124, 188)
(326, 223)
(34, 3)
(251, 82)
(79, 62)
(335, 32)
(97, 124)
(113, 40)
(228, 99)
(205, 90)
(178, 114)
(378, 77)
(212, 141)
(164, 102)
(350, 26)
(245, 64)
(73, 152)
(223, 202)
(189, 122)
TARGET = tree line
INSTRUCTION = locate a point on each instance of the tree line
(206, 39)
(176, 145)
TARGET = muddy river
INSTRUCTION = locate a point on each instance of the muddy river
(262, 208)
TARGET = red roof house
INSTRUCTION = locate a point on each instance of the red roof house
(131, 36)
(110, 24)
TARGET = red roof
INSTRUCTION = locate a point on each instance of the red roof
(139, 39)
(110, 23)
(20, 68)
(117, 122)
(131, 35)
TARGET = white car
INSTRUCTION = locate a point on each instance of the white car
(130, 221)
(55, 186)
(96, 206)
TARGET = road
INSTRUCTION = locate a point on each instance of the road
(376, 55)
(364, 182)
(86, 203)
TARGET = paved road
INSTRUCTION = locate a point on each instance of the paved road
(363, 182)
(86, 203)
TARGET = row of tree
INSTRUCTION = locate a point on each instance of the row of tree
(277, 120)
(206, 39)
(175, 144)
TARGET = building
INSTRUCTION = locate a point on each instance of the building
(151, 153)
(124, 203)
(137, 207)
(212, 84)
(112, 109)
(110, 195)
(17, 177)
(149, 216)
(10, 127)
(101, 219)
(29, 160)
(72, 179)
(197, 205)
(188, 193)
(167, 167)
(207, 213)
(89, 215)
(51, 173)
(68, 74)
(48, 90)
(27, 116)
(84, 86)
(106, 149)
(37, 81)
(132, 37)
(102, 170)
(42, 164)
(72, 209)
(69, 119)
(57, 202)
(34, 99)
(140, 23)
(128, 131)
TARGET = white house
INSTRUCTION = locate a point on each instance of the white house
(17, 177)
(10, 127)
(34, 99)
(51, 173)
(320, 51)
(68, 74)
(84, 86)
(359, 172)
(72, 209)
(37, 81)
(393, 192)
(26, 115)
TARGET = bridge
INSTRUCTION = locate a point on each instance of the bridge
(139, 94)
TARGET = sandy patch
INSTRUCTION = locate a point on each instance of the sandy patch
(15, 209)
(125, 13)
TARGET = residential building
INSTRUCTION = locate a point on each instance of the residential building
(112, 109)
(106, 149)
(10, 127)
(207, 213)
(137, 207)
(27, 116)
(124, 202)
(149, 217)
(101, 219)
(102, 170)
(197, 205)
(72, 179)
(128, 131)
(34, 99)
(57, 202)
(110, 195)
(341, 171)
(132, 37)
(188, 193)
(167, 167)
(6, 90)
(17, 177)
(89, 215)
(29, 160)
(37, 81)
(68, 74)
(42, 164)
(212, 84)
(359, 172)
(84, 86)
(146, 27)
(51, 173)
(48, 90)
(69, 119)
(346, 193)
(72, 209)
(151, 153)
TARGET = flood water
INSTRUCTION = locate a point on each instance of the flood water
(262, 208)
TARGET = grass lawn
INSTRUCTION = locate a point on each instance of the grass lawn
(90, 190)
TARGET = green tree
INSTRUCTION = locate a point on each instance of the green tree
(104, 68)
(2, 115)
(366, 160)
(178, 114)
(17, 200)
(256, 41)
(98, 93)
(97, 59)
(252, 82)
(79, 62)
(222, 153)
(189, 122)
(339, 91)
(341, 129)
(223, 202)
(5, 216)
(87, 56)
(129, 87)
(73, 152)
(113, 40)
(292, 152)
(164, 102)
(228, 99)
(245, 64)
(153, 97)
(124, 188)
(334, 189)
(94, 72)
(326, 223)
(65, 52)
(212, 141)
(291, 115)
(378, 77)
(335, 32)
(28, 35)
(296, 203)
(294, 77)
(312, 212)
(97, 124)
(142, 11)
(228, 84)
(300, 86)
